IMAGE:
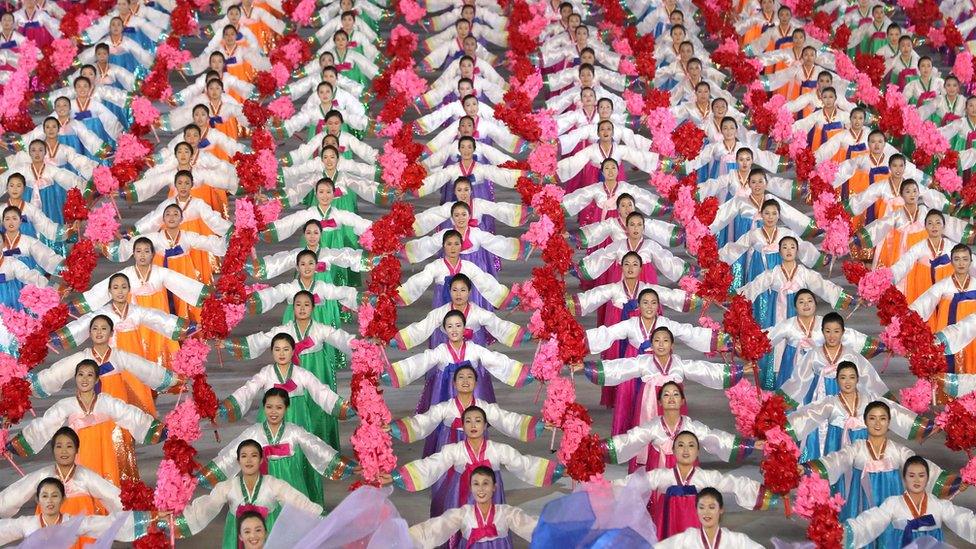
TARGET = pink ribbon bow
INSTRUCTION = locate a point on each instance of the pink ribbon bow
(472, 222)
(328, 223)
(306, 343)
(288, 386)
(274, 450)
(321, 267)
(343, 66)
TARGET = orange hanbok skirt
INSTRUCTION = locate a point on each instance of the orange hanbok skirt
(156, 347)
(125, 386)
(896, 243)
(920, 278)
(184, 265)
(107, 449)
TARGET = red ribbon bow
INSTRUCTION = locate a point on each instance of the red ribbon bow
(486, 527)
(468, 334)
(321, 267)
(472, 222)
(288, 386)
(343, 66)
(328, 223)
(306, 343)
(276, 450)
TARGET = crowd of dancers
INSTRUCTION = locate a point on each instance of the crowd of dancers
(114, 355)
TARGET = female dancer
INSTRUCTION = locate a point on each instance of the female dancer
(291, 453)
(842, 415)
(674, 489)
(447, 358)
(86, 492)
(711, 534)
(869, 470)
(455, 463)
(441, 423)
(651, 444)
(99, 414)
(248, 491)
(903, 518)
(482, 525)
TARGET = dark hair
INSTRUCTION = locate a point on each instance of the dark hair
(789, 239)
(144, 240)
(845, 365)
(660, 390)
(875, 405)
(646, 291)
(804, 291)
(832, 317)
(462, 278)
(276, 392)
(249, 514)
(283, 336)
(710, 492)
(961, 248)
(463, 368)
(627, 196)
(640, 260)
(119, 275)
(935, 213)
(52, 482)
(687, 434)
(461, 205)
(252, 443)
(915, 460)
(770, 202)
(14, 209)
(662, 329)
(907, 183)
(484, 470)
(453, 313)
(304, 253)
(111, 325)
(448, 234)
(305, 293)
(474, 409)
(87, 363)
(66, 432)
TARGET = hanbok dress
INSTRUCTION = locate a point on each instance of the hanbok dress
(483, 179)
(652, 376)
(312, 351)
(838, 423)
(613, 229)
(814, 378)
(98, 119)
(484, 214)
(772, 293)
(950, 299)
(900, 230)
(873, 179)
(267, 497)
(152, 289)
(478, 530)
(447, 359)
(477, 246)
(902, 71)
(15, 529)
(868, 476)
(922, 266)
(290, 455)
(47, 188)
(792, 341)
(123, 375)
(757, 251)
(742, 213)
(86, 492)
(480, 325)
(312, 402)
(603, 264)
(631, 336)
(598, 202)
(37, 26)
(14, 275)
(695, 538)
(101, 449)
(454, 464)
(582, 169)
(844, 146)
(656, 435)
(487, 291)
(908, 523)
(675, 509)
(212, 180)
(441, 424)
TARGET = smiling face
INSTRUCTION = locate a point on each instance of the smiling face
(274, 410)
(100, 332)
(172, 218)
(483, 488)
(625, 207)
(833, 332)
(460, 217)
(253, 533)
(324, 194)
(119, 290)
(474, 425)
(64, 451)
(847, 381)
(661, 343)
(85, 379)
(464, 382)
(770, 216)
(806, 305)
(709, 512)
(250, 460)
(454, 327)
(877, 422)
(312, 234)
(648, 306)
(610, 171)
(282, 351)
(685, 449)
